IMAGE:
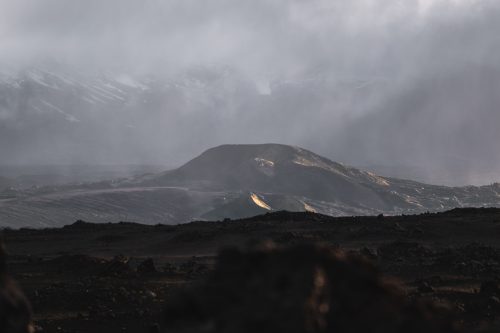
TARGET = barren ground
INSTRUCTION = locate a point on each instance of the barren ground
(96, 277)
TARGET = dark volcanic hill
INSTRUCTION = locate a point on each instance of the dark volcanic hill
(233, 181)
(278, 169)
(274, 170)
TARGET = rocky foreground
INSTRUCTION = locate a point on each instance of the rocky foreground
(295, 272)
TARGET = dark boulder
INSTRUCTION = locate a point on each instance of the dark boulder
(147, 267)
(303, 289)
(15, 310)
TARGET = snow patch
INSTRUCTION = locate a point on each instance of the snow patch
(38, 78)
(309, 208)
(318, 164)
(106, 93)
(9, 78)
(377, 179)
(130, 82)
(263, 162)
(265, 166)
(259, 202)
(67, 116)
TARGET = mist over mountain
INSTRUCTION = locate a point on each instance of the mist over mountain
(65, 116)
(450, 119)
(408, 84)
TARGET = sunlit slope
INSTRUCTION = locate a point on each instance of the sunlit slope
(278, 169)
(317, 181)
(234, 181)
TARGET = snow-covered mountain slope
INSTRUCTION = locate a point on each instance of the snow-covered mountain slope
(58, 114)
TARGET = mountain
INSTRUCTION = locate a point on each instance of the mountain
(276, 169)
(59, 114)
(233, 181)
(322, 185)
(443, 125)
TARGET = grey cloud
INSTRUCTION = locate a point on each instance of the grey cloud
(361, 81)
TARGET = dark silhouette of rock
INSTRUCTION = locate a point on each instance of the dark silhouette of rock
(368, 254)
(424, 287)
(490, 287)
(80, 264)
(147, 267)
(15, 311)
(302, 289)
(408, 250)
(118, 266)
(155, 328)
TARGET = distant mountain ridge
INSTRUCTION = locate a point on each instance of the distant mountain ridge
(58, 114)
(234, 181)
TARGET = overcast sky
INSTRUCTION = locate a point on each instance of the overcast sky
(263, 37)
(412, 52)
